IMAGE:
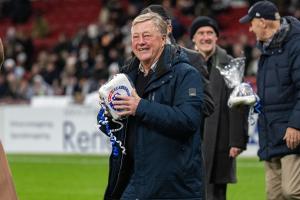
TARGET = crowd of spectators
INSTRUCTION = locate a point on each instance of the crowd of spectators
(79, 65)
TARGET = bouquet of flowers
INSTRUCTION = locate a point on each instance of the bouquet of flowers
(242, 93)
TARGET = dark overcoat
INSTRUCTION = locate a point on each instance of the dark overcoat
(225, 128)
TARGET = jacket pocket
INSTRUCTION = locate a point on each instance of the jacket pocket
(277, 133)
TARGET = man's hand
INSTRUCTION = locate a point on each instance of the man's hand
(292, 137)
(127, 104)
(234, 152)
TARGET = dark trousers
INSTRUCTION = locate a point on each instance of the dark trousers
(216, 191)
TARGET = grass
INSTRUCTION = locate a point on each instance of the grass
(251, 182)
(57, 177)
(74, 177)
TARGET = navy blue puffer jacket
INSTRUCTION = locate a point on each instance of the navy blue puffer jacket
(167, 148)
(278, 83)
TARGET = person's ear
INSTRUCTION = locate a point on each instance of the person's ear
(170, 28)
(164, 40)
(193, 40)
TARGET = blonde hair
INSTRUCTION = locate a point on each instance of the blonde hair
(158, 22)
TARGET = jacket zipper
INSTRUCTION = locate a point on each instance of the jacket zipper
(262, 76)
(151, 97)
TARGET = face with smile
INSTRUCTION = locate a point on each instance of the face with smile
(205, 40)
(147, 42)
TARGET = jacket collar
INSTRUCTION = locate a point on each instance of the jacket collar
(220, 57)
(276, 42)
(164, 63)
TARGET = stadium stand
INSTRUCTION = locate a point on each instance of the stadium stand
(71, 47)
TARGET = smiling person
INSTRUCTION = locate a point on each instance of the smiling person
(162, 134)
(278, 84)
(225, 131)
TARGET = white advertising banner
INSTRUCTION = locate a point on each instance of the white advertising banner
(25, 129)
(72, 129)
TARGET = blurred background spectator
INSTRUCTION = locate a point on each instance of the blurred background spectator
(72, 47)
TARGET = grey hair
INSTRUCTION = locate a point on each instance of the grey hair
(156, 19)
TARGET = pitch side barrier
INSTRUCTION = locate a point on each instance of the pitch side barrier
(73, 129)
(62, 130)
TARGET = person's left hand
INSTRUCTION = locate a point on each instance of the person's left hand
(234, 152)
(127, 104)
(292, 137)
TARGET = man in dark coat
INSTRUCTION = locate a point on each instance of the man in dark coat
(225, 131)
(162, 134)
(278, 83)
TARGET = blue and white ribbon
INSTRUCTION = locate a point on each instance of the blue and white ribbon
(103, 121)
(255, 109)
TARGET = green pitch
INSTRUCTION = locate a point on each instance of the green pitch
(57, 177)
(251, 181)
(73, 177)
